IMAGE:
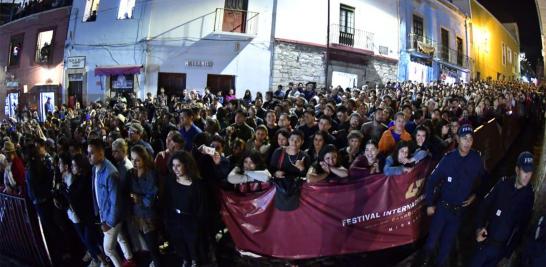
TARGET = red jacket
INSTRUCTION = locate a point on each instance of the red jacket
(18, 171)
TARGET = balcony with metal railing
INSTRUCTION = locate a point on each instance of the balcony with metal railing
(421, 44)
(427, 47)
(234, 22)
(452, 56)
(350, 37)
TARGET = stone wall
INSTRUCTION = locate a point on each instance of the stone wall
(303, 63)
(376, 71)
(297, 63)
(381, 71)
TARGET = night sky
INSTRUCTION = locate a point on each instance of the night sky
(524, 13)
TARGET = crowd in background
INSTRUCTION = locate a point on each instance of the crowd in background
(139, 172)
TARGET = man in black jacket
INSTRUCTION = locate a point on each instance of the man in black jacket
(40, 177)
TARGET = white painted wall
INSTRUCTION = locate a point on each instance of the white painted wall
(185, 32)
(303, 20)
(162, 35)
(307, 20)
(379, 17)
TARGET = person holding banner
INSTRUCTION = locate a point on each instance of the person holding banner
(327, 166)
(369, 163)
(504, 214)
(456, 178)
(290, 162)
(400, 160)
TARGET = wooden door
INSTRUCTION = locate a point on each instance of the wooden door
(235, 16)
(173, 83)
(220, 83)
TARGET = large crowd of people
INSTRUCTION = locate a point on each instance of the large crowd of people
(139, 172)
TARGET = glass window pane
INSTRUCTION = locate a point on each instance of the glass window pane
(126, 9)
(91, 9)
(44, 47)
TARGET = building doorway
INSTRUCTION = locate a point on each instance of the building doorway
(75, 89)
(44, 96)
(221, 83)
(12, 103)
(173, 83)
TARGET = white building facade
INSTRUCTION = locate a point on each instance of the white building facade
(143, 46)
(332, 42)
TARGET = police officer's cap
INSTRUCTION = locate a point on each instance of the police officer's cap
(464, 130)
(526, 161)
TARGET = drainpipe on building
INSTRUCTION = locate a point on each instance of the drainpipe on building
(272, 44)
(326, 58)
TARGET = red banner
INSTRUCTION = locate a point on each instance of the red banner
(366, 214)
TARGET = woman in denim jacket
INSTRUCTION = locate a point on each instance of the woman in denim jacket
(143, 192)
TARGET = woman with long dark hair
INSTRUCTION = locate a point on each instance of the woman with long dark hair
(251, 168)
(143, 190)
(400, 161)
(441, 140)
(247, 98)
(187, 208)
(422, 145)
(260, 142)
(319, 141)
(349, 153)
(327, 166)
(369, 163)
(280, 138)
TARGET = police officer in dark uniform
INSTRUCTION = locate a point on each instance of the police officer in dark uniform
(504, 214)
(456, 179)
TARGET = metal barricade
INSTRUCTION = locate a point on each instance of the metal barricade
(20, 234)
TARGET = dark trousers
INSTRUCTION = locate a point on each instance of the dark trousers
(184, 233)
(152, 242)
(89, 235)
(487, 255)
(443, 228)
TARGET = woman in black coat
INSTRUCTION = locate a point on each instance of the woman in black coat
(187, 209)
